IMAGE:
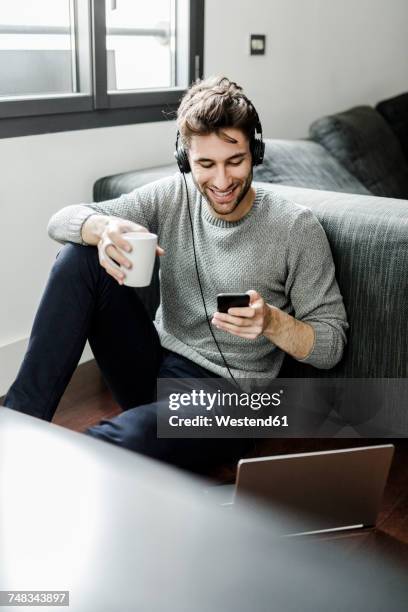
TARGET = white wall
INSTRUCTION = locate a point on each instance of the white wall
(322, 56)
(39, 175)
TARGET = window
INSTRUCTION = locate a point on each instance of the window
(132, 35)
(37, 48)
(73, 64)
(44, 57)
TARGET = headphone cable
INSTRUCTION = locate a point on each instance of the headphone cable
(201, 288)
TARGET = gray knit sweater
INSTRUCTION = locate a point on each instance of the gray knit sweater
(279, 249)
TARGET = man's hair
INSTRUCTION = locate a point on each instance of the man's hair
(213, 104)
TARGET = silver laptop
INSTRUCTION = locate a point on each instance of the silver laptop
(321, 491)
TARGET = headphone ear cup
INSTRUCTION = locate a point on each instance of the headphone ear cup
(261, 151)
(258, 151)
(182, 160)
(186, 163)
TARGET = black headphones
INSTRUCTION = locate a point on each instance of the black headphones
(256, 145)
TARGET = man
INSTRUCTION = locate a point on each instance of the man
(246, 239)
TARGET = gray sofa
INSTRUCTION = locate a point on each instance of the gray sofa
(362, 150)
(368, 234)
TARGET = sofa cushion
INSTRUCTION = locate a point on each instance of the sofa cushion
(304, 163)
(364, 143)
(395, 112)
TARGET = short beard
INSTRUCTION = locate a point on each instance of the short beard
(246, 187)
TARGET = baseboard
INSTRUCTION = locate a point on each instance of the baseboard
(11, 356)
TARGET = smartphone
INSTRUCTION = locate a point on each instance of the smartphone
(232, 300)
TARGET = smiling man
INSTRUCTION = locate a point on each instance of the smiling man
(218, 233)
(230, 194)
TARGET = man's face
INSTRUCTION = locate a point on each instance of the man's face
(221, 166)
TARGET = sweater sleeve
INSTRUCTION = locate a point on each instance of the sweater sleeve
(147, 206)
(313, 290)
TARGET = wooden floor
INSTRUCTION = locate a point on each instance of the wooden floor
(87, 401)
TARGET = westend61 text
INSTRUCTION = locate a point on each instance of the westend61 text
(227, 421)
(206, 400)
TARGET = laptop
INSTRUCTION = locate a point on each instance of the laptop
(321, 491)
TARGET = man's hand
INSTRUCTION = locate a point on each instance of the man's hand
(292, 336)
(248, 322)
(106, 232)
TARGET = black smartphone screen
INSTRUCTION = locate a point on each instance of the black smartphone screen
(232, 300)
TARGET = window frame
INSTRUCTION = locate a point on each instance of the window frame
(100, 108)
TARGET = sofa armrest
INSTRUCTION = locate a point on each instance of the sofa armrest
(110, 187)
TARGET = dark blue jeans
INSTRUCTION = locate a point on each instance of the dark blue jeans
(81, 301)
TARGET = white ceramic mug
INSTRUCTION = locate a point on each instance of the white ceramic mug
(142, 256)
